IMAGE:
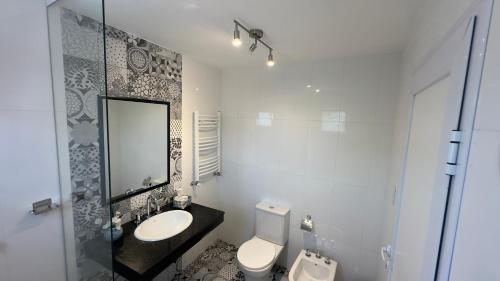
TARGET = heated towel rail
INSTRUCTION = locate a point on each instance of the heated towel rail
(206, 146)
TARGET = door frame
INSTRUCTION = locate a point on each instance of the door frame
(434, 67)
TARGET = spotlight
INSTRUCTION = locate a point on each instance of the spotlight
(253, 46)
(236, 37)
(270, 59)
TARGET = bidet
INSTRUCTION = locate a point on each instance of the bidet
(311, 268)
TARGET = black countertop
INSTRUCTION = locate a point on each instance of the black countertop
(138, 260)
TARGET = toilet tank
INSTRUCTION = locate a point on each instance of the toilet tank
(272, 223)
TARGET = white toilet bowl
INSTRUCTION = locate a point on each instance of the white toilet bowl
(256, 258)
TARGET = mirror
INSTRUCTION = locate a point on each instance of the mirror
(138, 145)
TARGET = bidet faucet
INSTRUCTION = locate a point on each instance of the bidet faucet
(327, 260)
(318, 255)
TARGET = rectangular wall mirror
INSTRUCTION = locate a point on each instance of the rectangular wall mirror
(137, 145)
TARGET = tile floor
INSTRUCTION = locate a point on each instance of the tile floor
(218, 263)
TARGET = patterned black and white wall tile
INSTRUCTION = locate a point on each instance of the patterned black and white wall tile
(136, 68)
(82, 44)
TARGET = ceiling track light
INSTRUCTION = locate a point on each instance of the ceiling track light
(255, 34)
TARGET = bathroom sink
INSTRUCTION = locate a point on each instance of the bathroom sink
(163, 226)
(312, 269)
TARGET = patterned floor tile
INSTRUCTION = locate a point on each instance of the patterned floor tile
(218, 263)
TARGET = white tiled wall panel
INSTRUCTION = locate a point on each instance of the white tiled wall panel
(326, 154)
(200, 91)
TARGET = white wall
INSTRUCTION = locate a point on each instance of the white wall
(477, 246)
(28, 165)
(432, 24)
(201, 90)
(325, 154)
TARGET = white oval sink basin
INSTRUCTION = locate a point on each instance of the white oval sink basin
(163, 226)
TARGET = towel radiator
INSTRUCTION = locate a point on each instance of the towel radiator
(206, 146)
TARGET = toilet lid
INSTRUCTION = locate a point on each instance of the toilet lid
(256, 254)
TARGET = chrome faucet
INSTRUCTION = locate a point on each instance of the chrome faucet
(147, 182)
(151, 202)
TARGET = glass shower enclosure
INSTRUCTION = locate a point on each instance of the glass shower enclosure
(77, 45)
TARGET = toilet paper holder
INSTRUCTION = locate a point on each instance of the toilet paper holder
(307, 224)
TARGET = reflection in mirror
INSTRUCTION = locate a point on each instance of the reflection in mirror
(138, 145)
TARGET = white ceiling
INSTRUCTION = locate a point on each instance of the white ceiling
(296, 29)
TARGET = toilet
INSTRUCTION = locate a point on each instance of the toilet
(257, 256)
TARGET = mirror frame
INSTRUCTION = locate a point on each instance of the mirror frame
(102, 144)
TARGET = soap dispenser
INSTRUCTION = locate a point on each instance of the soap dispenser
(113, 230)
(116, 221)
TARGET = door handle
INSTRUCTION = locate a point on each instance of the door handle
(43, 206)
(386, 253)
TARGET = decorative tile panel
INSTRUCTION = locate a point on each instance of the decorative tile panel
(136, 68)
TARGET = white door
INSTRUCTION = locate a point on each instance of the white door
(31, 247)
(443, 103)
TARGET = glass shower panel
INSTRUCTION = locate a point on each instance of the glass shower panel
(78, 72)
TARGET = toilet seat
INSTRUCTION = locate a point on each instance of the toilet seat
(256, 254)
